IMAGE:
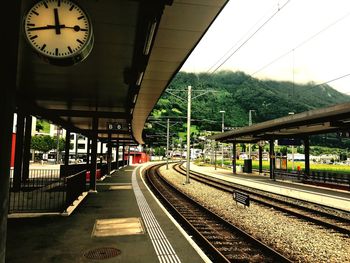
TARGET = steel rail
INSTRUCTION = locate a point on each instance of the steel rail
(212, 235)
(339, 224)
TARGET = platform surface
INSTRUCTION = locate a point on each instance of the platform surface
(339, 199)
(120, 226)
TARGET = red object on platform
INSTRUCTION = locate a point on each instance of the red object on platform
(98, 175)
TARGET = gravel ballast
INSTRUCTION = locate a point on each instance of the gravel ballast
(298, 240)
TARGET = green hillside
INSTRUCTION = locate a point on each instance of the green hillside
(236, 93)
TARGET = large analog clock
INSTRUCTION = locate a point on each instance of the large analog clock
(59, 31)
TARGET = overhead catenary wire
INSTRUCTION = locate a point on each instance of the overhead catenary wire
(251, 36)
(301, 43)
(328, 81)
(239, 41)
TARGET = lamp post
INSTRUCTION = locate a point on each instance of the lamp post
(291, 113)
(222, 130)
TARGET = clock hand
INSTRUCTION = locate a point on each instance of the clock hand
(57, 22)
(76, 28)
(42, 28)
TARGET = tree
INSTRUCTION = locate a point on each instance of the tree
(45, 143)
(42, 143)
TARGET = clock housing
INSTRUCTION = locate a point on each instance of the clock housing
(59, 31)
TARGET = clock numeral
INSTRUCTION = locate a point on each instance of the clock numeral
(33, 37)
(35, 13)
(70, 50)
(43, 47)
(59, 3)
(56, 51)
(45, 4)
(81, 42)
(80, 17)
(30, 24)
(71, 7)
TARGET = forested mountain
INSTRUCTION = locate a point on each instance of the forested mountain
(236, 93)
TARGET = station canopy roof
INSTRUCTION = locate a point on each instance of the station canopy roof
(119, 82)
(319, 121)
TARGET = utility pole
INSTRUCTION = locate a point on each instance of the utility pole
(167, 144)
(189, 94)
(222, 144)
(189, 100)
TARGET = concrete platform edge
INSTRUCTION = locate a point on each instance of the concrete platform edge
(182, 231)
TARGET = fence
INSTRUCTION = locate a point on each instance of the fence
(336, 180)
(43, 191)
(51, 190)
(75, 186)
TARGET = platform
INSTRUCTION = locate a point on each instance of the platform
(339, 199)
(110, 221)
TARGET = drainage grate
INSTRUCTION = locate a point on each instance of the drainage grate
(102, 253)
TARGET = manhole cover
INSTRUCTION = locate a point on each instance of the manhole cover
(102, 253)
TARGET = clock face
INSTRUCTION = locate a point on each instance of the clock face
(59, 30)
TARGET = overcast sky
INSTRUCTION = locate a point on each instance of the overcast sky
(317, 30)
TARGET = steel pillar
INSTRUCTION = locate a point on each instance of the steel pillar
(307, 155)
(66, 149)
(76, 148)
(123, 154)
(26, 148)
(109, 154)
(17, 173)
(7, 105)
(128, 161)
(260, 159)
(272, 160)
(93, 155)
(88, 153)
(117, 154)
(234, 158)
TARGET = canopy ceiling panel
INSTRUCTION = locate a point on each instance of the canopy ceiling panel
(181, 27)
(108, 81)
(318, 121)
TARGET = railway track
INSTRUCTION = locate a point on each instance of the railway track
(222, 241)
(292, 206)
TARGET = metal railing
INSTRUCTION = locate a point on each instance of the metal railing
(50, 190)
(43, 191)
(72, 169)
(317, 177)
(75, 186)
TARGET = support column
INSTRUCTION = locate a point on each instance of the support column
(215, 155)
(88, 153)
(117, 154)
(66, 149)
(6, 115)
(272, 159)
(101, 155)
(26, 148)
(93, 155)
(17, 173)
(7, 101)
(129, 155)
(109, 154)
(76, 148)
(234, 158)
(123, 155)
(307, 155)
(260, 159)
